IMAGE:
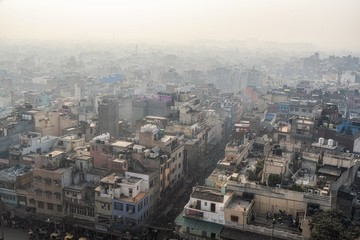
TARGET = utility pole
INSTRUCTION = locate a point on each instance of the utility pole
(273, 226)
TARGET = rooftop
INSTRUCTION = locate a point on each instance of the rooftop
(53, 154)
(122, 144)
(138, 197)
(237, 203)
(11, 172)
(208, 194)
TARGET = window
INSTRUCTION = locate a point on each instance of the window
(105, 206)
(179, 165)
(48, 194)
(50, 206)
(38, 192)
(38, 179)
(140, 206)
(151, 183)
(47, 181)
(118, 206)
(91, 213)
(303, 110)
(59, 208)
(205, 203)
(179, 154)
(146, 200)
(203, 234)
(58, 195)
(296, 109)
(130, 208)
(213, 235)
(57, 182)
(40, 205)
(234, 218)
(130, 192)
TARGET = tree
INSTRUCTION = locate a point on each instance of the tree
(273, 180)
(333, 225)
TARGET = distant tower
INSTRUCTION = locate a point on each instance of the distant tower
(109, 116)
(339, 75)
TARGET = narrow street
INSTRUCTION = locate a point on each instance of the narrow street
(15, 234)
(164, 221)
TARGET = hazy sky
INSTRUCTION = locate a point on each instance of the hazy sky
(327, 23)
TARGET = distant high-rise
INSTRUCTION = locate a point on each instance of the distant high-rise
(109, 116)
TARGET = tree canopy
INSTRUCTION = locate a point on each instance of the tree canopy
(333, 225)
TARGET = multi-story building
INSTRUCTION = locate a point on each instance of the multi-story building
(110, 155)
(302, 108)
(30, 143)
(121, 201)
(109, 116)
(52, 123)
(154, 138)
(12, 179)
(50, 178)
(12, 127)
(204, 214)
(69, 142)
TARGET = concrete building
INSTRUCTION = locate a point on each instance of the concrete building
(30, 143)
(302, 108)
(50, 178)
(12, 179)
(153, 138)
(207, 207)
(120, 201)
(12, 127)
(109, 117)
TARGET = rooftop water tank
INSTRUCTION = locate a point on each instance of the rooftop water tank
(321, 141)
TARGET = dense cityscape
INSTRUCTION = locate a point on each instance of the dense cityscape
(104, 146)
(164, 120)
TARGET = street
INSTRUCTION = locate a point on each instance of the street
(164, 222)
(15, 234)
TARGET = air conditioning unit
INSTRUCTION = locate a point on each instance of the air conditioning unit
(310, 191)
(278, 185)
(317, 192)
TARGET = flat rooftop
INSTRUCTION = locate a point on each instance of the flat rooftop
(237, 203)
(166, 138)
(68, 137)
(11, 172)
(138, 197)
(208, 194)
(122, 144)
(53, 154)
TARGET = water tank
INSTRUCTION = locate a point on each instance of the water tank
(325, 125)
(331, 125)
(321, 141)
(331, 142)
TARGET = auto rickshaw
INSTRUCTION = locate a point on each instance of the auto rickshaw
(69, 236)
(54, 236)
(83, 238)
